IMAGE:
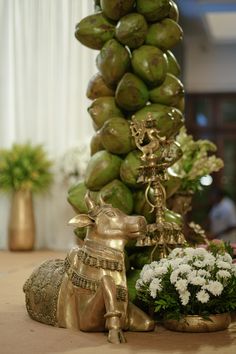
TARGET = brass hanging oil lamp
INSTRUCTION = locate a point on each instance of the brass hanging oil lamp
(157, 155)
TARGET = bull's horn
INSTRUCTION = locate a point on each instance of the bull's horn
(101, 200)
(90, 203)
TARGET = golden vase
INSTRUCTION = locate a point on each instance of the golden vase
(194, 323)
(21, 227)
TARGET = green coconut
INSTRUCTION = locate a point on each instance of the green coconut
(94, 31)
(141, 207)
(131, 30)
(153, 10)
(118, 195)
(171, 216)
(98, 88)
(96, 143)
(168, 119)
(129, 169)
(116, 136)
(172, 185)
(150, 64)
(115, 9)
(102, 168)
(131, 93)
(173, 66)
(102, 109)
(181, 104)
(165, 34)
(76, 196)
(170, 92)
(174, 11)
(113, 62)
(80, 232)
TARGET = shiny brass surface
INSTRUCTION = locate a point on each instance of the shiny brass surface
(21, 225)
(158, 153)
(88, 290)
(218, 322)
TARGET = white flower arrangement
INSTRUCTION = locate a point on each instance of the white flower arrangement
(73, 163)
(190, 281)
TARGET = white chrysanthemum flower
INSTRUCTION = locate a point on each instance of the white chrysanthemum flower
(191, 275)
(175, 263)
(209, 260)
(202, 296)
(159, 271)
(200, 252)
(177, 252)
(198, 281)
(203, 273)
(145, 268)
(188, 251)
(224, 257)
(174, 276)
(148, 276)
(154, 264)
(139, 284)
(198, 264)
(185, 268)
(214, 287)
(163, 261)
(227, 258)
(223, 264)
(154, 287)
(233, 269)
(181, 285)
(184, 297)
(223, 274)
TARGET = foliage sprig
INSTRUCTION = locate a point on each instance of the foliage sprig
(25, 167)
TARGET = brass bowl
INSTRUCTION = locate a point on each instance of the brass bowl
(195, 323)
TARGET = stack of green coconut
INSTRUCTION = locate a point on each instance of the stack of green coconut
(137, 74)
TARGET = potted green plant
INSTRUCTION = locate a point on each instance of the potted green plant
(192, 290)
(24, 170)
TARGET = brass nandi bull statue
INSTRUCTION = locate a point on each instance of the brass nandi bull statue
(88, 290)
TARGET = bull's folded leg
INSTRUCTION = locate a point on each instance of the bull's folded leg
(139, 321)
(112, 316)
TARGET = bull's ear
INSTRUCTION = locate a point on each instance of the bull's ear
(81, 220)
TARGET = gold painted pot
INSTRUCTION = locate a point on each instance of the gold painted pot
(195, 323)
(21, 227)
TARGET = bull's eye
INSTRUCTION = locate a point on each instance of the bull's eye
(110, 213)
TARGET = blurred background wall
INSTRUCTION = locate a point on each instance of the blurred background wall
(208, 57)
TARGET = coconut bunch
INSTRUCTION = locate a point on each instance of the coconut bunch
(137, 74)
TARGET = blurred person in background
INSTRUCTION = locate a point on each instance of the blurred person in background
(222, 217)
